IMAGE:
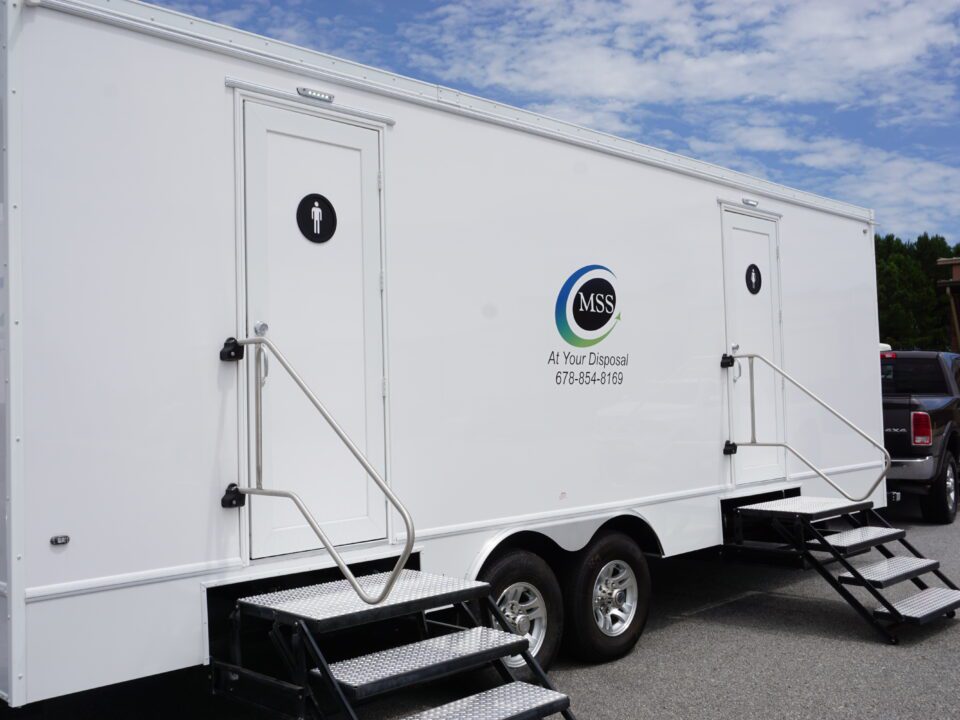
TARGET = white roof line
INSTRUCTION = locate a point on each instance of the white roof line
(221, 38)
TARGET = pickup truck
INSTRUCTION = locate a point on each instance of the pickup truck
(921, 428)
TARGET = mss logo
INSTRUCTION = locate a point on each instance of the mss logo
(586, 310)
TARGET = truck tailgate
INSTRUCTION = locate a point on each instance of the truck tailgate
(896, 425)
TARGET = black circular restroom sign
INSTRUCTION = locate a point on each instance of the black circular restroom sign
(316, 218)
(754, 280)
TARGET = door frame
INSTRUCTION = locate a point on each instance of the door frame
(739, 208)
(279, 99)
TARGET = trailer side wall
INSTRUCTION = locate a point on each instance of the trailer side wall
(129, 277)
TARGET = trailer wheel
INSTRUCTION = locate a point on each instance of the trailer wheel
(608, 598)
(528, 594)
(940, 506)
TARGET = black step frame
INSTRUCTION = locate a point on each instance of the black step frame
(802, 534)
(311, 686)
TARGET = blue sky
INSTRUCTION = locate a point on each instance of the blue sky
(857, 100)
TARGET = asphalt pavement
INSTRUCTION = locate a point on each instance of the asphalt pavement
(724, 640)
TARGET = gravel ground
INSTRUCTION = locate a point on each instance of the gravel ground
(724, 640)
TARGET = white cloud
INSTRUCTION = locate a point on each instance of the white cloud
(910, 194)
(856, 52)
(756, 81)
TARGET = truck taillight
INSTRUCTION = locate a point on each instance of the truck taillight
(921, 429)
(888, 355)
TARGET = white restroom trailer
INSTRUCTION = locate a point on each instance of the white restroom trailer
(519, 321)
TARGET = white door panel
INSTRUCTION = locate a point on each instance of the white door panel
(321, 301)
(752, 298)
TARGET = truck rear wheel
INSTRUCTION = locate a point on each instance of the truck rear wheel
(608, 598)
(528, 594)
(940, 506)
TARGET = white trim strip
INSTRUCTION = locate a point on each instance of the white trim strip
(188, 30)
(620, 505)
(113, 582)
(231, 82)
(267, 567)
(721, 491)
(147, 577)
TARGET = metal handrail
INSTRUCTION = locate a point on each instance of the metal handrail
(261, 343)
(750, 357)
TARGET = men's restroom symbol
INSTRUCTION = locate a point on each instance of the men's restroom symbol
(754, 279)
(316, 218)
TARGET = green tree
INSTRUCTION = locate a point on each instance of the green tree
(914, 312)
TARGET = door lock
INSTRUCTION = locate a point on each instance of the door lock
(260, 328)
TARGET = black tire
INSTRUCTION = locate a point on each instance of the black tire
(940, 506)
(584, 634)
(519, 568)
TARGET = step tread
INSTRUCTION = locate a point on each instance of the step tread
(378, 672)
(891, 570)
(514, 701)
(860, 538)
(805, 506)
(926, 605)
(336, 604)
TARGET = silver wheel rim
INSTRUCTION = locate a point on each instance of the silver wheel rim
(951, 488)
(615, 595)
(526, 612)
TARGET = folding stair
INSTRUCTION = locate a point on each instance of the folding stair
(303, 622)
(796, 520)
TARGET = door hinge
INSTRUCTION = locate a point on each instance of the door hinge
(729, 448)
(379, 181)
(383, 281)
(383, 387)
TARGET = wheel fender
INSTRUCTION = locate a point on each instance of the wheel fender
(947, 440)
(571, 535)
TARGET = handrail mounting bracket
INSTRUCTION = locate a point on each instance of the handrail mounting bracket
(233, 498)
(232, 350)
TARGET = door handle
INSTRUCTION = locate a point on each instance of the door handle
(739, 369)
(261, 328)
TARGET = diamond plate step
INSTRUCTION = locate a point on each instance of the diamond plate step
(380, 672)
(923, 607)
(890, 571)
(803, 507)
(516, 701)
(335, 605)
(858, 539)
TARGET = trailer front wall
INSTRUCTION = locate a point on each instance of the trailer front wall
(130, 287)
(130, 284)
(6, 459)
